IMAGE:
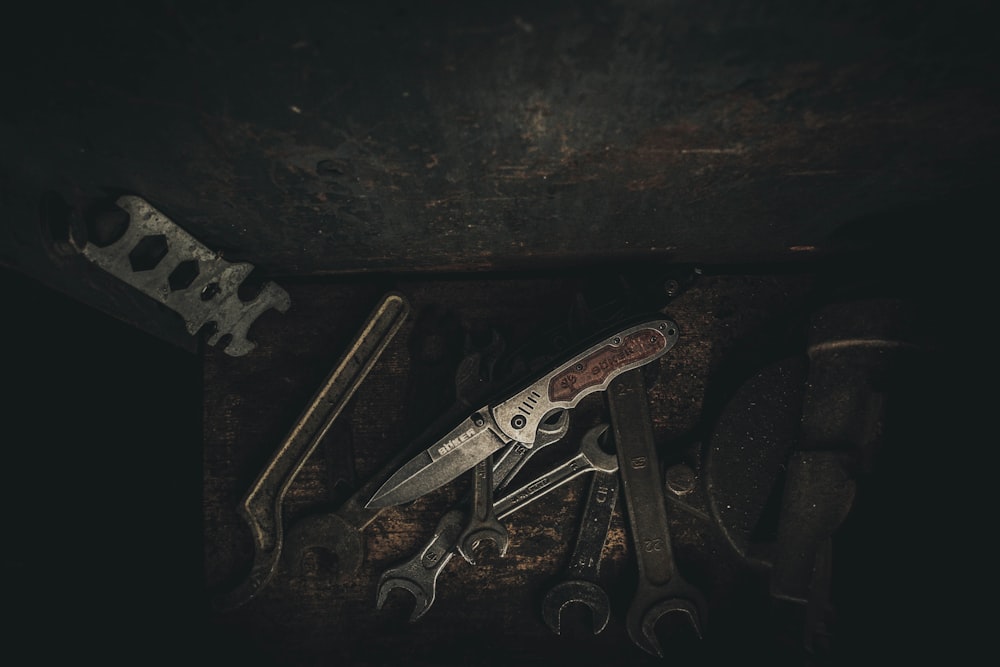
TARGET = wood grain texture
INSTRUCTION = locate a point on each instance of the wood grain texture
(386, 136)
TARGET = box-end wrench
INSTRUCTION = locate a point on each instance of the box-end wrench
(261, 507)
(580, 582)
(419, 575)
(661, 589)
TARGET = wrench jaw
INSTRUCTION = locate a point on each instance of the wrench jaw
(472, 543)
(566, 593)
(641, 621)
(592, 443)
(422, 599)
(419, 574)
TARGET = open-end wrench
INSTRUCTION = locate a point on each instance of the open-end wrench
(589, 458)
(661, 589)
(261, 507)
(482, 524)
(419, 575)
(580, 580)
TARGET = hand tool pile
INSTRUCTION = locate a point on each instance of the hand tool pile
(494, 442)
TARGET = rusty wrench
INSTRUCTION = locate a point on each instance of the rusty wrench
(661, 589)
(261, 507)
(580, 581)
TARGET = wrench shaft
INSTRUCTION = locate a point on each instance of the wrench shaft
(661, 588)
(589, 458)
(640, 471)
(585, 561)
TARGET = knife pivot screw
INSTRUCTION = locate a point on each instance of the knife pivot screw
(617, 340)
(579, 367)
(478, 420)
(518, 421)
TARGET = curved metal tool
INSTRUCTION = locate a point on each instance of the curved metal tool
(661, 590)
(339, 533)
(482, 524)
(262, 505)
(419, 576)
(590, 457)
(580, 584)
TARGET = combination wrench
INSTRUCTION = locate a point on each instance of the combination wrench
(661, 589)
(580, 581)
(261, 507)
(419, 575)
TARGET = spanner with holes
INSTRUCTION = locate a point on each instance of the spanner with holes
(261, 507)
(661, 589)
(580, 580)
(419, 574)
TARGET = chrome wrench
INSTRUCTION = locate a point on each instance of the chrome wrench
(590, 457)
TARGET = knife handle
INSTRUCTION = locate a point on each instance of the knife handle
(589, 371)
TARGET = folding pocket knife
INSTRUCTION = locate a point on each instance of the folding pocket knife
(516, 419)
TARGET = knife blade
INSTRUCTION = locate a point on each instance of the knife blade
(518, 417)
